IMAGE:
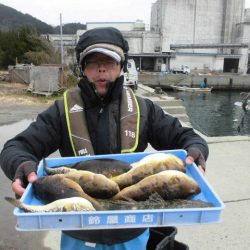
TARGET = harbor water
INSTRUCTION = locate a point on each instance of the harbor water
(215, 114)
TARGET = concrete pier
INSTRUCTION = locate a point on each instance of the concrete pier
(169, 104)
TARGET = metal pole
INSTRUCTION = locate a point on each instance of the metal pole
(194, 24)
(61, 48)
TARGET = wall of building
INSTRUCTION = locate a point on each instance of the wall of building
(151, 42)
(202, 62)
(234, 14)
(192, 21)
(156, 13)
(243, 62)
(135, 44)
(134, 40)
(196, 21)
(246, 32)
(142, 42)
(246, 26)
(67, 39)
(219, 63)
(123, 26)
(202, 22)
(208, 21)
(247, 15)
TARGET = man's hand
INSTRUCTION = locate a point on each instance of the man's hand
(25, 173)
(195, 155)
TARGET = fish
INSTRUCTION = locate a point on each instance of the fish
(61, 205)
(56, 170)
(149, 165)
(54, 187)
(169, 184)
(108, 167)
(155, 201)
(95, 185)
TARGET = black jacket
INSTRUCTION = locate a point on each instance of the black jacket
(49, 133)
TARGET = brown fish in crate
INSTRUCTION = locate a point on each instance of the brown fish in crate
(52, 188)
(95, 185)
(61, 205)
(105, 166)
(169, 184)
(149, 165)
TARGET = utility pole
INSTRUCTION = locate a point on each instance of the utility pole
(61, 33)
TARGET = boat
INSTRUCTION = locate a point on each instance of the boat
(190, 89)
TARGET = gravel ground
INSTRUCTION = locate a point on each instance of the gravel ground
(17, 103)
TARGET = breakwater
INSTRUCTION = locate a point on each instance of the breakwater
(218, 82)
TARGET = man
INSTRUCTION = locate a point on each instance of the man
(98, 117)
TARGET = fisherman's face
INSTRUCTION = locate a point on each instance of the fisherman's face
(100, 70)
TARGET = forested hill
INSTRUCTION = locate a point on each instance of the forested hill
(13, 20)
(70, 28)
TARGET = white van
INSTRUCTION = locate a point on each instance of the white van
(183, 70)
(131, 76)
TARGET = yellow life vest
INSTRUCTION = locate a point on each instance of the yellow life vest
(78, 129)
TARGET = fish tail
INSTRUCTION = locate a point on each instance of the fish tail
(58, 170)
(14, 202)
(46, 168)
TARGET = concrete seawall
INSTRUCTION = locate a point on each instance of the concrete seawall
(169, 104)
(218, 82)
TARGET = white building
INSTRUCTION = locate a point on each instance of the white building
(122, 26)
(206, 35)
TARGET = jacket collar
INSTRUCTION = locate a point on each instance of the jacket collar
(91, 98)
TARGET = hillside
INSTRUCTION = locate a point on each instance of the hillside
(13, 20)
(70, 28)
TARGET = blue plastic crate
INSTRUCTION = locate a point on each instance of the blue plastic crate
(120, 218)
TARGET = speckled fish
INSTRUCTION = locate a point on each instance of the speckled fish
(155, 201)
(169, 184)
(55, 187)
(107, 167)
(57, 170)
(95, 185)
(61, 205)
(149, 165)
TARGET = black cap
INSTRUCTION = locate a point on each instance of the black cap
(104, 35)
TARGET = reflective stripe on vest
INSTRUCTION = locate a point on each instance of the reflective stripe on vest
(78, 129)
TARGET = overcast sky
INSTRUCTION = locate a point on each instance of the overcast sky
(82, 11)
